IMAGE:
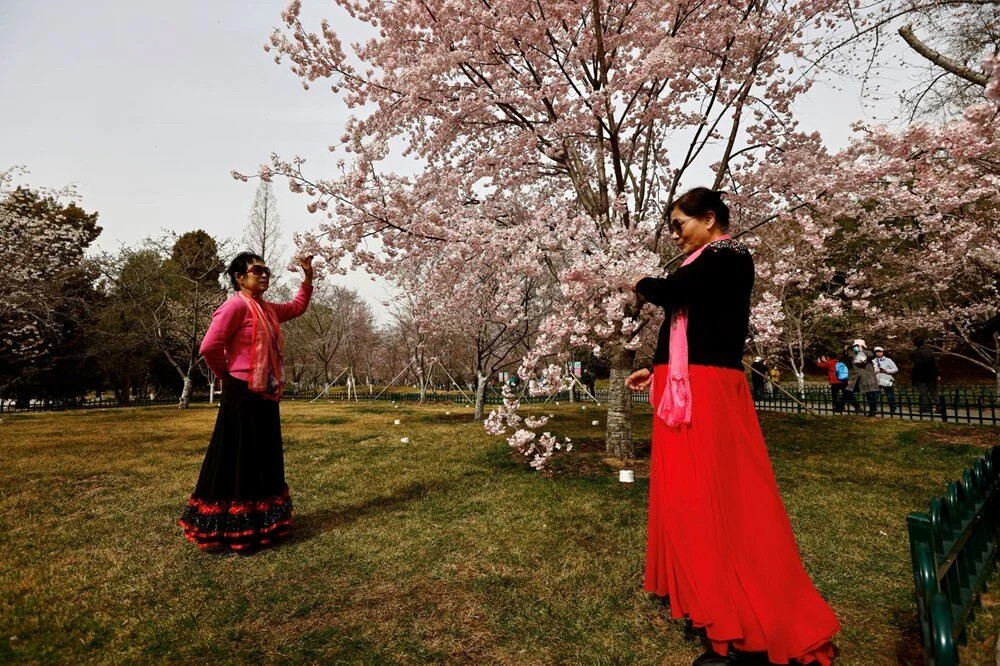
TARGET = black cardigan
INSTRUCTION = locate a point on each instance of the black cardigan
(715, 288)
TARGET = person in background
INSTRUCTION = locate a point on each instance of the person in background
(863, 378)
(925, 374)
(885, 370)
(588, 379)
(774, 376)
(837, 374)
(758, 377)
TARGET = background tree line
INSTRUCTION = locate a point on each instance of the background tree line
(129, 322)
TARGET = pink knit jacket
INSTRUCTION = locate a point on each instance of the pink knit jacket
(226, 347)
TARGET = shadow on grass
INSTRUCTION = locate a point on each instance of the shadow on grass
(314, 523)
(909, 650)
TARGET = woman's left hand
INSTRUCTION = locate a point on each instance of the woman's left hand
(639, 380)
(307, 267)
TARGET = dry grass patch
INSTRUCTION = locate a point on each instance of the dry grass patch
(442, 550)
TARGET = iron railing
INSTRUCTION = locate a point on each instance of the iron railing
(958, 404)
(953, 550)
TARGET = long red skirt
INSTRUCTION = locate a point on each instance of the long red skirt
(720, 544)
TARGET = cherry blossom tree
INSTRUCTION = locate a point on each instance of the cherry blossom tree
(561, 129)
(43, 241)
(422, 339)
(991, 66)
(905, 218)
(469, 296)
(920, 210)
(798, 291)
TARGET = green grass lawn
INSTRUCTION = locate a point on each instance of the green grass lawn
(444, 549)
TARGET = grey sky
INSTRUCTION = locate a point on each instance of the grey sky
(146, 107)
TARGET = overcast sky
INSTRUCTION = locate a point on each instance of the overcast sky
(146, 107)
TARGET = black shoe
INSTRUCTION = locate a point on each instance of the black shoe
(741, 658)
(713, 658)
(696, 634)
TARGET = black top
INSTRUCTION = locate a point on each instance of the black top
(925, 367)
(715, 288)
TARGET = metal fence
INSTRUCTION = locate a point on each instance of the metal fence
(103, 402)
(957, 404)
(953, 550)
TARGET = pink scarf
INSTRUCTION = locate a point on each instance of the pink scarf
(675, 403)
(266, 364)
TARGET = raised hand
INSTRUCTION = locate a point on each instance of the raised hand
(307, 267)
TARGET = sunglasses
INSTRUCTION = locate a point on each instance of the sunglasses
(259, 270)
(677, 224)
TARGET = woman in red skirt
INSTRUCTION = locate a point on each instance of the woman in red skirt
(720, 544)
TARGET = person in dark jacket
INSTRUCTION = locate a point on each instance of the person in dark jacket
(758, 377)
(589, 380)
(925, 374)
(863, 378)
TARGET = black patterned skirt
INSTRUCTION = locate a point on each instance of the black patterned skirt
(241, 501)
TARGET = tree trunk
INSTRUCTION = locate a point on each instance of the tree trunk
(619, 431)
(996, 361)
(480, 394)
(185, 400)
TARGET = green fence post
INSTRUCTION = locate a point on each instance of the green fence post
(945, 652)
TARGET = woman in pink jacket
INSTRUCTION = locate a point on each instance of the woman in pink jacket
(241, 501)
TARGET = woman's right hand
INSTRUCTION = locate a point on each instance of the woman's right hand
(639, 380)
(306, 263)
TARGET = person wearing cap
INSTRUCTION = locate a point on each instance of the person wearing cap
(863, 378)
(758, 377)
(885, 368)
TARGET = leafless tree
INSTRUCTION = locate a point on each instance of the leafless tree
(262, 235)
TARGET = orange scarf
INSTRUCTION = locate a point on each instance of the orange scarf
(267, 375)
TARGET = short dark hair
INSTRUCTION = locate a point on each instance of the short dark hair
(919, 341)
(240, 264)
(699, 201)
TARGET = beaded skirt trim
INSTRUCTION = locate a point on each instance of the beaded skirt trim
(223, 525)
